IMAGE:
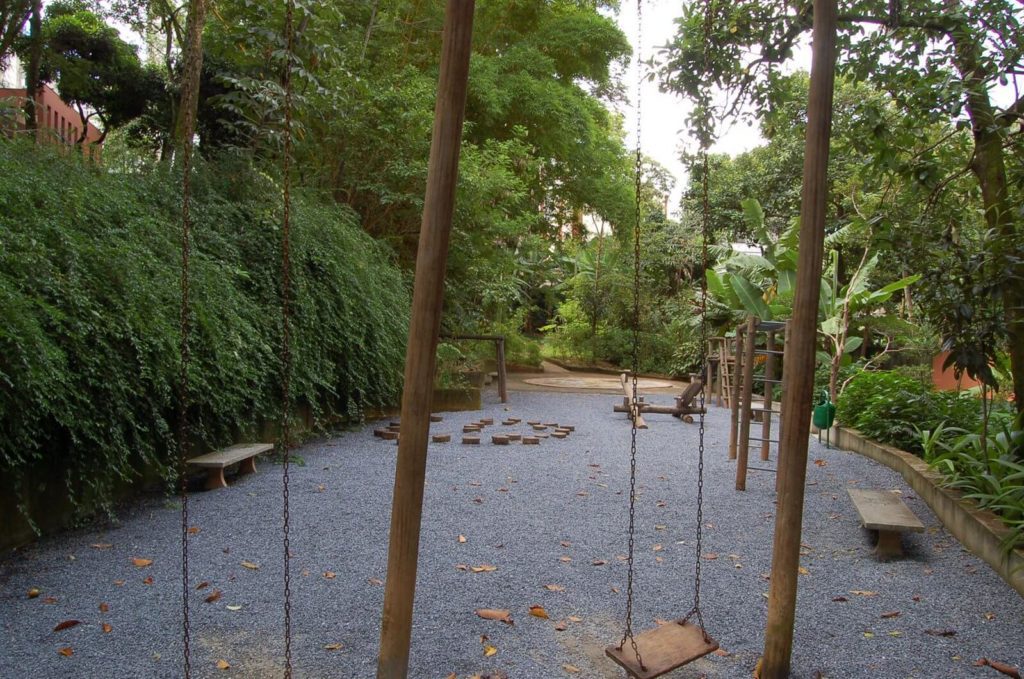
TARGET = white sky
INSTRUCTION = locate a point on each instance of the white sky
(664, 115)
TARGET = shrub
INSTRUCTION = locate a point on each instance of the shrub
(89, 293)
(890, 407)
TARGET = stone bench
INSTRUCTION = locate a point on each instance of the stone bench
(884, 511)
(218, 460)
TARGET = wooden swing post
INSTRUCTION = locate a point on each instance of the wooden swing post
(798, 368)
(424, 327)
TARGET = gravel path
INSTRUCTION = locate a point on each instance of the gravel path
(543, 515)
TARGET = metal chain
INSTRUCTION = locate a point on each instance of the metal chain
(705, 237)
(286, 349)
(635, 365)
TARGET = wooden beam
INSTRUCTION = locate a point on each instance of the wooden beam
(734, 396)
(769, 387)
(634, 411)
(424, 327)
(744, 399)
(798, 366)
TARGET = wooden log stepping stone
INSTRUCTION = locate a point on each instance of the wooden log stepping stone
(540, 435)
(487, 421)
(539, 427)
(394, 423)
(379, 433)
(533, 422)
(500, 440)
(389, 435)
(509, 422)
(568, 427)
(436, 418)
(553, 425)
(214, 463)
(470, 428)
(514, 437)
(530, 440)
(470, 440)
(883, 511)
(560, 434)
(441, 438)
(394, 427)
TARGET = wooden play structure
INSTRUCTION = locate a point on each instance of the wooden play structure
(645, 655)
(758, 343)
(635, 405)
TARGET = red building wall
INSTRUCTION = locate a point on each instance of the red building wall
(57, 122)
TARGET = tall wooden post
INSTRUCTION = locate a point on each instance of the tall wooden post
(769, 388)
(798, 369)
(424, 326)
(734, 392)
(745, 397)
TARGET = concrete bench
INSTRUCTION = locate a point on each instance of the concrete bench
(218, 460)
(884, 511)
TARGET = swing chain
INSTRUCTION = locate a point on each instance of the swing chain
(635, 364)
(286, 349)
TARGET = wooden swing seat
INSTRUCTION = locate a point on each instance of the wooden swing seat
(663, 649)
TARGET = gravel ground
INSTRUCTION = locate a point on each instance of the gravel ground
(523, 509)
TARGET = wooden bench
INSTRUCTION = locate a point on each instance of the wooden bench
(218, 460)
(884, 511)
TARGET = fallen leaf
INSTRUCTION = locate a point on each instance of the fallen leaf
(941, 632)
(565, 559)
(101, 545)
(479, 500)
(194, 530)
(561, 626)
(483, 568)
(575, 618)
(582, 493)
(203, 585)
(33, 593)
(67, 652)
(598, 562)
(375, 581)
(141, 563)
(213, 596)
(233, 607)
(554, 588)
(661, 621)
(840, 599)
(615, 590)
(721, 652)
(660, 526)
(916, 597)
(148, 581)
(989, 615)
(711, 556)
(999, 667)
(499, 614)
(50, 600)
(489, 650)
(223, 665)
(571, 669)
(869, 635)
(461, 567)
(538, 612)
(119, 583)
(863, 592)
(803, 571)
(250, 565)
(890, 614)
(107, 628)
(658, 548)
(895, 633)
(104, 608)
(565, 543)
(462, 538)
(330, 575)
(333, 647)
(66, 624)
(820, 463)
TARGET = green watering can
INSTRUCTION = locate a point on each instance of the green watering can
(824, 416)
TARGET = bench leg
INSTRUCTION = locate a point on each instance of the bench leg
(215, 479)
(247, 466)
(890, 545)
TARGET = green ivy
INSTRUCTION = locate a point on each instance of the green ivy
(89, 315)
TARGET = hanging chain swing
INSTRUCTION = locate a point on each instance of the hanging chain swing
(189, 96)
(672, 645)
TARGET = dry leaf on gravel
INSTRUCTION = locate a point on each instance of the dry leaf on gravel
(538, 612)
(1008, 670)
(941, 632)
(107, 628)
(104, 608)
(250, 565)
(66, 625)
(554, 588)
(141, 563)
(213, 596)
(101, 545)
(571, 669)
(334, 647)
(203, 585)
(462, 538)
(375, 581)
(67, 651)
(711, 556)
(148, 581)
(489, 650)
(561, 626)
(233, 607)
(863, 592)
(33, 593)
(330, 575)
(565, 559)
(483, 568)
(890, 614)
(223, 665)
(565, 543)
(499, 614)
(598, 562)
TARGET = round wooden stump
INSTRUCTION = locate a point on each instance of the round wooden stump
(441, 438)
(470, 440)
(530, 440)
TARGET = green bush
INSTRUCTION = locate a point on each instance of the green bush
(89, 298)
(890, 407)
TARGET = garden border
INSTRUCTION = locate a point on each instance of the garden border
(979, 530)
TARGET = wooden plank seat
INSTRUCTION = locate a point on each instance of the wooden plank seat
(663, 649)
(884, 511)
(682, 409)
(214, 463)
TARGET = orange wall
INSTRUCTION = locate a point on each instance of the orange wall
(56, 121)
(945, 380)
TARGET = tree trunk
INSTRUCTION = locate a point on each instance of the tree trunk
(32, 72)
(989, 166)
(185, 124)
